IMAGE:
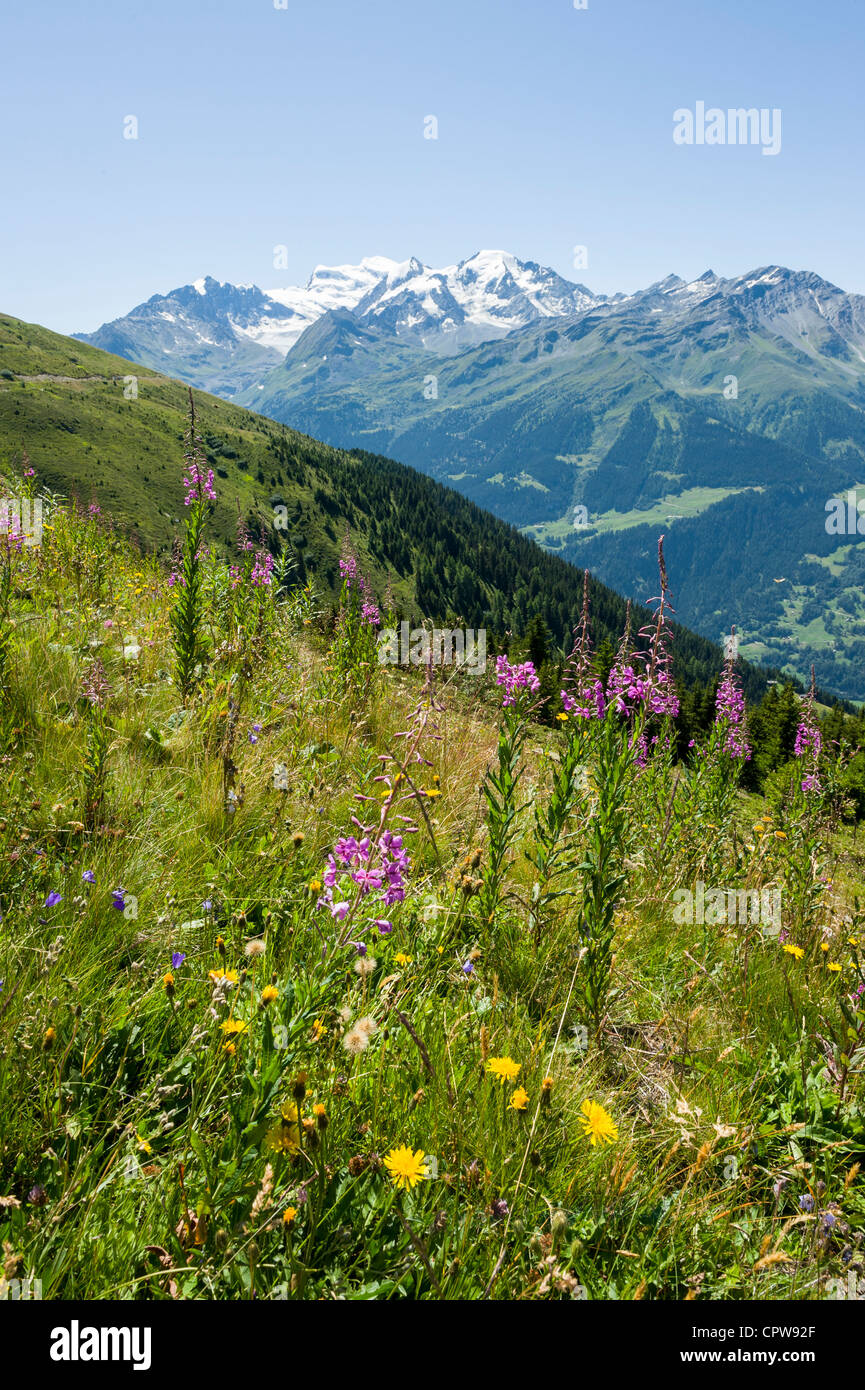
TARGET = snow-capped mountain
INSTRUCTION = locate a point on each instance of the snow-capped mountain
(223, 336)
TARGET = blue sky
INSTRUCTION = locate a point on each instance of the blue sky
(304, 127)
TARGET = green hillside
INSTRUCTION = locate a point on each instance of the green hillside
(63, 402)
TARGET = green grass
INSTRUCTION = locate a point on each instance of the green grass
(137, 1132)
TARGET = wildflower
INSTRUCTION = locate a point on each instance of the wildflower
(402, 959)
(229, 1048)
(289, 1216)
(468, 968)
(368, 1026)
(515, 678)
(505, 1068)
(314, 885)
(779, 835)
(795, 951)
(223, 977)
(806, 1202)
(255, 947)
(168, 983)
(268, 994)
(405, 1167)
(320, 1114)
(234, 1025)
(365, 965)
(355, 1040)
(88, 876)
(177, 959)
(48, 1039)
(318, 1029)
(824, 945)
(520, 1099)
(833, 966)
(118, 898)
(53, 899)
(546, 1090)
(284, 1137)
(384, 926)
(598, 1125)
(730, 714)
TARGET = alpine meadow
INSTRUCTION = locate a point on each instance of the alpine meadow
(432, 700)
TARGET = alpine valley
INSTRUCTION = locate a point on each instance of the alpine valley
(724, 412)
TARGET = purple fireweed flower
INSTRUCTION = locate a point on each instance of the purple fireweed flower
(730, 714)
(809, 740)
(370, 614)
(198, 484)
(587, 703)
(515, 678)
(53, 898)
(262, 569)
(177, 959)
(88, 876)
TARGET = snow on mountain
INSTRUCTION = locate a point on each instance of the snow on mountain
(483, 297)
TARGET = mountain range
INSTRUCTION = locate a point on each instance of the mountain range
(726, 412)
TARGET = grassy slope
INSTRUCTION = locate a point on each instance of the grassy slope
(700, 1070)
(84, 438)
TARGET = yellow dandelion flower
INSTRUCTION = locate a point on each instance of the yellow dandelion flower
(229, 1048)
(834, 967)
(402, 959)
(268, 994)
(284, 1137)
(599, 1126)
(779, 835)
(824, 945)
(289, 1216)
(562, 717)
(406, 1167)
(520, 1099)
(218, 976)
(314, 885)
(432, 791)
(796, 951)
(143, 1145)
(234, 1025)
(318, 1029)
(505, 1068)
